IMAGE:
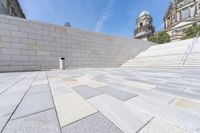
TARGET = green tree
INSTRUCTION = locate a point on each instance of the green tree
(191, 32)
(160, 38)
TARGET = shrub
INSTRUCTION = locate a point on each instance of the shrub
(191, 32)
(160, 38)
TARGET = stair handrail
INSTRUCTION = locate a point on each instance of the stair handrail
(190, 48)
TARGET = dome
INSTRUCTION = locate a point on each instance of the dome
(173, 1)
(144, 13)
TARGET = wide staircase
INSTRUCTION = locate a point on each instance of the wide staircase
(181, 53)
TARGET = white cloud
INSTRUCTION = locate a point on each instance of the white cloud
(107, 13)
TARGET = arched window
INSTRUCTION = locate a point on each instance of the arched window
(192, 11)
(185, 13)
(141, 24)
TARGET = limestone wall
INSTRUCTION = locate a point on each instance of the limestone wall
(31, 45)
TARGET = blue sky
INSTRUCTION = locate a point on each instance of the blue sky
(116, 17)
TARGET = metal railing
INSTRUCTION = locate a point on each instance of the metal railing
(190, 48)
(3, 10)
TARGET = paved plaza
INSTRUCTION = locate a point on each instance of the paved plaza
(109, 100)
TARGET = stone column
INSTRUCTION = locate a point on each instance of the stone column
(196, 6)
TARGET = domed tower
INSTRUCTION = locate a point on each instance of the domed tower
(144, 26)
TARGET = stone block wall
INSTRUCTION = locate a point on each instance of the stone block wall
(31, 45)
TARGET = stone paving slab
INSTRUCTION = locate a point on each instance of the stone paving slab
(189, 105)
(8, 103)
(5, 114)
(158, 125)
(34, 103)
(128, 118)
(72, 108)
(69, 105)
(73, 82)
(162, 97)
(90, 82)
(150, 111)
(35, 89)
(193, 90)
(139, 85)
(184, 119)
(10, 98)
(40, 82)
(178, 93)
(122, 95)
(59, 87)
(9, 83)
(95, 123)
(86, 91)
(44, 122)
(171, 87)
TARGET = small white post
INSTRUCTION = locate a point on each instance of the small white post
(62, 63)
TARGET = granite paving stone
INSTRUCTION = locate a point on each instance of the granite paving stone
(10, 100)
(34, 89)
(33, 103)
(39, 82)
(128, 118)
(178, 93)
(158, 125)
(172, 87)
(73, 82)
(187, 104)
(122, 95)
(193, 90)
(86, 91)
(162, 97)
(184, 119)
(59, 87)
(95, 123)
(97, 100)
(90, 82)
(44, 122)
(139, 85)
(9, 83)
(5, 114)
(69, 105)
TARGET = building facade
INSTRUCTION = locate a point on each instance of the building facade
(11, 8)
(144, 26)
(180, 15)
